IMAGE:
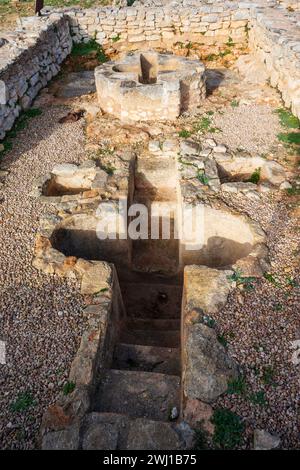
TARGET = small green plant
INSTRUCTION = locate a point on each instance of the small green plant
(287, 119)
(237, 386)
(116, 38)
(292, 282)
(268, 376)
(109, 169)
(23, 402)
(68, 388)
(291, 138)
(222, 340)
(239, 279)
(230, 42)
(278, 307)
(224, 53)
(271, 278)
(234, 103)
(102, 291)
(229, 429)
(208, 321)
(294, 191)
(258, 398)
(211, 57)
(184, 133)
(202, 177)
(255, 177)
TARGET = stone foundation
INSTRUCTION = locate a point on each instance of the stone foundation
(32, 55)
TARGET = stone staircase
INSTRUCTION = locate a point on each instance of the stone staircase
(143, 384)
(156, 183)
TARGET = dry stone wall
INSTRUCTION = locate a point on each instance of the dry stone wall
(29, 58)
(274, 39)
(132, 27)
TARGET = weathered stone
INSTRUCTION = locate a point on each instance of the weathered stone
(263, 440)
(100, 436)
(208, 366)
(144, 434)
(206, 289)
(66, 439)
(98, 277)
(198, 414)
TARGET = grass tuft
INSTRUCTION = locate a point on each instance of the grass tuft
(229, 429)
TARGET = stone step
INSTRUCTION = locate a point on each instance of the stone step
(164, 324)
(147, 358)
(145, 300)
(113, 431)
(138, 394)
(161, 338)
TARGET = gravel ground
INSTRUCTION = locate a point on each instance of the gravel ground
(260, 325)
(40, 317)
(253, 128)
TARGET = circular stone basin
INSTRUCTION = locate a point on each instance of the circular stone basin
(150, 86)
(226, 237)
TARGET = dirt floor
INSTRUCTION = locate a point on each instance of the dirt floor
(41, 316)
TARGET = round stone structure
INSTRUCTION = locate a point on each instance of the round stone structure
(150, 86)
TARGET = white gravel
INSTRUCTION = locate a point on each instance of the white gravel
(40, 318)
(261, 324)
(253, 128)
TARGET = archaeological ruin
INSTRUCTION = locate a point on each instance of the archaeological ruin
(154, 112)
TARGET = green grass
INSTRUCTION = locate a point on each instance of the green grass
(258, 398)
(68, 388)
(290, 138)
(22, 403)
(184, 134)
(237, 386)
(229, 429)
(268, 376)
(84, 49)
(287, 119)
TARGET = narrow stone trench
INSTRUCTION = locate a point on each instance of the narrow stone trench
(144, 379)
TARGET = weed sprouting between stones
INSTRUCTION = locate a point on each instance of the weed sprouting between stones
(240, 280)
(68, 388)
(255, 177)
